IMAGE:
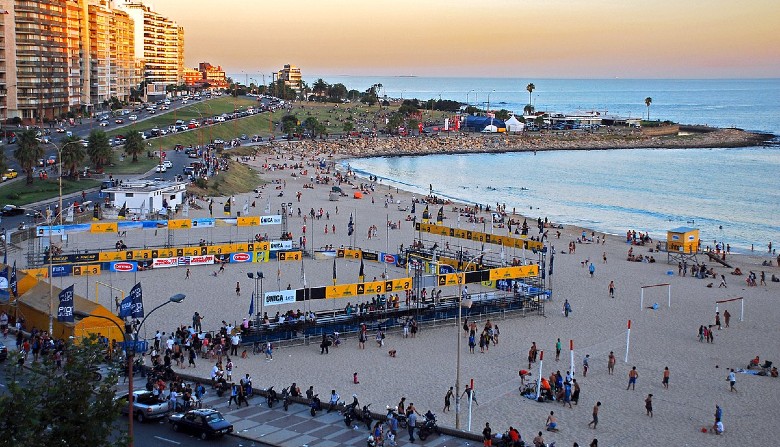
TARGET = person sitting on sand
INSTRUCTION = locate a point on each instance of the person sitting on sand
(737, 272)
(717, 428)
(552, 422)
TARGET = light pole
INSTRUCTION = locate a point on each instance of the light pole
(51, 251)
(130, 349)
(457, 332)
(258, 277)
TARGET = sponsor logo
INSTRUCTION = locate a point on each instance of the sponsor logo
(199, 260)
(124, 267)
(241, 257)
(165, 262)
(281, 297)
(390, 259)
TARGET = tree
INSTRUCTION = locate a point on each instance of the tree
(289, 123)
(320, 87)
(66, 407)
(134, 145)
(528, 109)
(73, 155)
(348, 126)
(530, 87)
(648, 101)
(310, 124)
(3, 162)
(99, 149)
(502, 114)
(28, 152)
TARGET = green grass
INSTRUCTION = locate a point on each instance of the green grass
(127, 166)
(19, 193)
(238, 179)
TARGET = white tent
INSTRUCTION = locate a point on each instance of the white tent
(490, 129)
(514, 125)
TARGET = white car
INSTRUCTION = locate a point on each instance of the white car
(160, 168)
(132, 117)
(103, 123)
(168, 164)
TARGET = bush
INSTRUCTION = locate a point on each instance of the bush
(201, 183)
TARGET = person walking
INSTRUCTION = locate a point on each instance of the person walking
(592, 269)
(595, 420)
(665, 380)
(557, 350)
(585, 365)
(612, 289)
(632, 376)
(732, 378)
(649, 405)
(238, 288)
(717, 320)
(726, 317)
(447, 399)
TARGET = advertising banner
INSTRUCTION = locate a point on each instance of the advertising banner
(275, 219)
(281, 245)
(124, 266)
(165, 262)
(280, 297)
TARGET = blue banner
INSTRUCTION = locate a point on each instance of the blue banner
(137, 300)
(65, 310)
(126, 307)
(58, 271)
(123, 266)
(13, 282)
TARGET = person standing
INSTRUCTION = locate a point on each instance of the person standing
(632, 376)
(717, 320)
(447, 398)
(612, 289)
(557, 350)
(187, 274)
(411, 421)
(238, 288)
(585, 365)
(726, 317)
(487, 435)
(732, 380)
(566, 308)
(649, 405)
(595, 420)
(592, 269)
(611, 363)
(665, 380)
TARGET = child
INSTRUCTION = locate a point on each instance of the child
(355, 379)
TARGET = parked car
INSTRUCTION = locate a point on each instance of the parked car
(146, 406)
(11, 173)
(12, 210)
(204, 423)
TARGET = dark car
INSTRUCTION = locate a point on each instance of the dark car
(3, 351)
(12, 210)
(204, 423)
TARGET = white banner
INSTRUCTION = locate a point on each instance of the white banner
(201, 260)
(280, 297)
(271, 220)
(281, 245)
(165, 262)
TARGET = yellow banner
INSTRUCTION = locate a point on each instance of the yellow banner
(351, 254)
(262, 256)
(371, 288)
(163, 253)
(451, 279)
(507, 241)
(289, 255)
(142, 254)
(104, 227)
(86, 270)
(248, 221)
(341, 291)
(398, 285)
(107, 256)
(179, 224)
(513, 272)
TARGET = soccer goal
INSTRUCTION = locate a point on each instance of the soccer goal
(649, 289)
(741, 306)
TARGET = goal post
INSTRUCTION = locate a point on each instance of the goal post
(741, 306)
(652, 286)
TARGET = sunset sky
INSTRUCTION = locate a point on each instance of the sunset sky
(497, 38)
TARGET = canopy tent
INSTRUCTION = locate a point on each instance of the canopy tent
(479, 123)
(514, 125)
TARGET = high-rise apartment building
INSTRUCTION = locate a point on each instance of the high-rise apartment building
(59, 56)
(291, 75)
(159, 44)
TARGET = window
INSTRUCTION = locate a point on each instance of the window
(128, 194)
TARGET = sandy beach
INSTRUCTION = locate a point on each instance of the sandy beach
(425, 366)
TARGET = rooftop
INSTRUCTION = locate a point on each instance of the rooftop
(147, 186)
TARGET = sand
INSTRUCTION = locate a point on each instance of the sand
(425, 366)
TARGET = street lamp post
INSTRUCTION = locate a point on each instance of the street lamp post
(457, 332)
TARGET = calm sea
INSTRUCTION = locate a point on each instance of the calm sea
(732, 195)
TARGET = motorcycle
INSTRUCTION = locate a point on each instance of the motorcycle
(286, 398)
(271, 397)
(428, 426)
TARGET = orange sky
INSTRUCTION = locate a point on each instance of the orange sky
(498, 38)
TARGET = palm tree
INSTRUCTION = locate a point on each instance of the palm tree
(320, 87)
(99, 149)
(28, 152)
(528, 109)
(73, 155)
(134, 145)
(530, 87)
(648, 101)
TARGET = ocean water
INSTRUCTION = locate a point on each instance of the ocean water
(732, 195)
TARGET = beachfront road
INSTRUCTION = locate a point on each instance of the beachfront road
(160, 434)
